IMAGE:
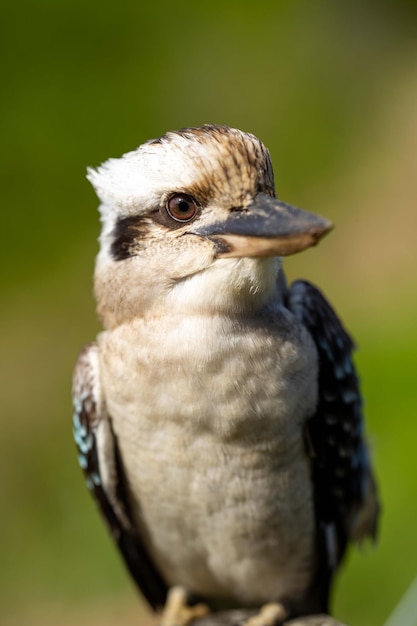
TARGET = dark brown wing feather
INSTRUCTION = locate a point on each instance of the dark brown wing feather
(92, 429)
(344, 488)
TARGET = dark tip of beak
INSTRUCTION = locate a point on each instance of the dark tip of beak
(266, 227)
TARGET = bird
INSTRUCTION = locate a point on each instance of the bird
(218, 415)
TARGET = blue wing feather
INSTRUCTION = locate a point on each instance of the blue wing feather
(88, 417)
(345, 493)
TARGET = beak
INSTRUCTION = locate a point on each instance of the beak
(266, 227)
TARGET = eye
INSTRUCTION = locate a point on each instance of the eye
(181, 207)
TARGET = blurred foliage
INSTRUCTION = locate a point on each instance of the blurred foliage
(332, 90)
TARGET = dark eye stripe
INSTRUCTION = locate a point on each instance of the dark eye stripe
(127, 234)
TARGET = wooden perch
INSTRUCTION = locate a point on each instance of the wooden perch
(239, 617)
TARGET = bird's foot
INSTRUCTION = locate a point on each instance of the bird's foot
(178, 611)
(273, 614)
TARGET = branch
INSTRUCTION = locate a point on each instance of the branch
(240, 616)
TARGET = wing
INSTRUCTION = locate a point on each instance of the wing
(345, 492)
(99, 458)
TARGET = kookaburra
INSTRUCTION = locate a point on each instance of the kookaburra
(218, 415)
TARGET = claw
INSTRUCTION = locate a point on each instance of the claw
(178, 612)
(273, 614)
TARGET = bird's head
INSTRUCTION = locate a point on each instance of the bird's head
(191, 222)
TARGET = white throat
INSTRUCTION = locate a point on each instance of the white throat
(229, 286)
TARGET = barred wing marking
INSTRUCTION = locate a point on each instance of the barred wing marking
(345, 492)
(99, 458)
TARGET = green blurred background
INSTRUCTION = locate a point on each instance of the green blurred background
(331, 88)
